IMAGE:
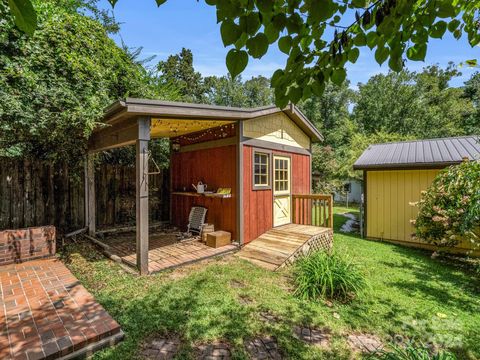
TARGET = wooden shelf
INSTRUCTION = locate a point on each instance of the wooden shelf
(194, 194)
(185, 193)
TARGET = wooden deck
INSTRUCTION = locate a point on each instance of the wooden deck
(282, 245)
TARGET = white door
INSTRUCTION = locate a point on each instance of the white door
(282, 208)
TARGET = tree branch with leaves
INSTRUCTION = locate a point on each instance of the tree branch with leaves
(320, 37)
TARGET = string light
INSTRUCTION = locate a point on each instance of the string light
(215, 132)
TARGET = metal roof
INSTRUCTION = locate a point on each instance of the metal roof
(420, 153)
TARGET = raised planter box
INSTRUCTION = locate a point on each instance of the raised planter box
(26, 244)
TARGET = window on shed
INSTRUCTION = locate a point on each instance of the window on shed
(282, 175)
(261, 164)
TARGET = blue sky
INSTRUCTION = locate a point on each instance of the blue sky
(192, 24)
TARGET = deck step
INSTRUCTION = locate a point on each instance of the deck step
(282, 245)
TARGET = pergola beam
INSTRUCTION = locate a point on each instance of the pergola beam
(143, 131)
(114, 136)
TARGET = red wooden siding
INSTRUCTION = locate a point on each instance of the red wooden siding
(217, 168)
(258, 204)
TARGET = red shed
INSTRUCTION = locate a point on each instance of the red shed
(255, 162)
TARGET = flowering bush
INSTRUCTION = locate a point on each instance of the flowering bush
(449, 210)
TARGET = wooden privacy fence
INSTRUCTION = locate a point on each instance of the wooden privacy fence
(313, 209)
(34, 193)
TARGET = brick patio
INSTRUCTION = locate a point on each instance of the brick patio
(47, 313)
(165, 251)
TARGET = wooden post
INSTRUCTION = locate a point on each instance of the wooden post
(294, 209)
(239, 184)
(142, 193)
(90, 194)
(330, 212)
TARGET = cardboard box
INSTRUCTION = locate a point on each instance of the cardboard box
(219, 238)
(206, 228)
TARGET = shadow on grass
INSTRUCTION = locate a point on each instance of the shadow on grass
(435, 280)
(407, 284)
(199, 308)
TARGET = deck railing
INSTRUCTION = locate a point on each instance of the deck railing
(313, 209)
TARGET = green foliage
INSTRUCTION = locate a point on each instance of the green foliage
(24, 14)
(178, 71)
(55, 84)
(331, 276)
(237, 61)
(450, 209)
(472, 93)
(234, 92)
(324, 169)
(412, 352)
(421, 100)
(322, 38)
(359, 143)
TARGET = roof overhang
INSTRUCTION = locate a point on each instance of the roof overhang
(121, 117)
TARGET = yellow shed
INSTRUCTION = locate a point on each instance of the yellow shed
(394, 176)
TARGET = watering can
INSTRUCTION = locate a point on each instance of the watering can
(201, 187)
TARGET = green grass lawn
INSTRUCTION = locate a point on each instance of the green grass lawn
(409, 295)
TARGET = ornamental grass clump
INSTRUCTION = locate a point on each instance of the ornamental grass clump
(449, 211)
(324, 275)
(412, 352)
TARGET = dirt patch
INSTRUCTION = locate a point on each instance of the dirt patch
(161, 348)
(314, 336)
(365, 343)
(263, 348)
(213, 351)
(237, 284)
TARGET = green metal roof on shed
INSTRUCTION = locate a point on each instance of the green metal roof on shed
(420, 153)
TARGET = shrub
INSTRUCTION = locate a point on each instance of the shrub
(411, 352)
(450, 208)
(327, 275)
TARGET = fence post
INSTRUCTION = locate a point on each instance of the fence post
(90, 194)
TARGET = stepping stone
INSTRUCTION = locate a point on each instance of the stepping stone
(269, 317)
(245, 300)
(161, 349)
(313, 336)
(237, 284)
(265, 348)
(213, 351)
(365, 343)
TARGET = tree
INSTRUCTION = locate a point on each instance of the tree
(421, 105)
(226, 91)
(234, 92)
(178, 71)
(472, 93)
(330, 112)
(358, 144)
(320, 37)
(258, 91)
(55, 85)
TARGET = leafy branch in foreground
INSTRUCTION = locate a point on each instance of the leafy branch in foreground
(321, 37)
